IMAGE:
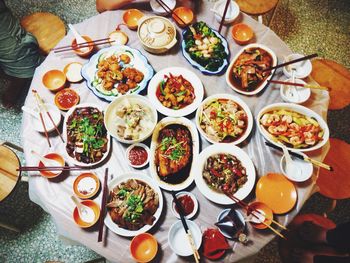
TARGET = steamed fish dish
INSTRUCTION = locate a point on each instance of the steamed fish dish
(134, 120)
(132, 204)
(223, 120)
(291, 128)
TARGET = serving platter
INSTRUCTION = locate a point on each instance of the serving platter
(137, 61)
(298, 109)
(217, 197)
(153, 184)
(187, 75)
(224, 97)
(71, 159)
(190, 174)
(263, 84)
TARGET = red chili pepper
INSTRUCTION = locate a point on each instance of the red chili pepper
(238, 172)
(214, 172)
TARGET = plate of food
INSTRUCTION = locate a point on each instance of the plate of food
(224, 118)
(87, 139)
(134, 204)
(116, 71)
(297, 127)
(175, 91)
(174, 147)
(227, 167)
(130, 118)
(246, 74)
(205, 49)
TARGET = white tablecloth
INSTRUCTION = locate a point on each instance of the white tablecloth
(54, 195)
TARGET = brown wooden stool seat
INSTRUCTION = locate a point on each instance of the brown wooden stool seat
(331, 74)
(46, 27)
(336, 184)
(256, 7)
(9, 177)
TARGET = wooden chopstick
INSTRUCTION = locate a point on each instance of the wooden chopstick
(82, 46)
(49, 168)
(298, 84)
(103, 207)
(224, 15)
(87, 42)
(48, 113)
(169, 11)
(42, 119)
(291, 62)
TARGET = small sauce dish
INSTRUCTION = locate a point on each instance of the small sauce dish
(138, 155)
(66, 99)
(52, 174)
(143, 247)
(72, 72)
(302, 68)
(131, 18)
(185, 13)
(84, 51)
(54, 80)
(232, 11)
(86, 185)
(189, 204)
(264, 210)
(96, 209)
(231, 223)
(242, 34)
(295, 94)
(306, 169)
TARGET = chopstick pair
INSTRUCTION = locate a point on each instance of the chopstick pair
(299, 85)
(224, 15)
(254, 212)
(49, 168)
(169, 11)
(85, 44)
(42, 107)
(291, 62)
(187, 230)
(299, 156)
(103, 206)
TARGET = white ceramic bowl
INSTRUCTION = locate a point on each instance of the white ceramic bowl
(302, 68)
(230, 17)
(301, 94)
(141, 177)
(144, 146)
(224, 213)
(110, 116)
(159, 10)
(305, 167)
(195, 202)
(235, 99)
(297, 108)
(176, 71)
(263, 84)
(54, 112)
(178, 240)
(214, 196)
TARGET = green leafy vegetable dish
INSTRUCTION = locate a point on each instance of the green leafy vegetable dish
(205, 47)
(132, 204)
(86, 135)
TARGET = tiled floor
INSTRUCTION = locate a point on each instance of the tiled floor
(320, 26)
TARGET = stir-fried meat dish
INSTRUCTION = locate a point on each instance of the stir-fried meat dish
(86, 135)
(132, 204)
(174, 151)
(247, 71)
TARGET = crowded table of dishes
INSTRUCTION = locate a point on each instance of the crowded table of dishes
(150, 135)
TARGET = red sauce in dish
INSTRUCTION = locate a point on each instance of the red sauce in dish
(66, 99)
(186, 203)
(214, 244)
(138, 155)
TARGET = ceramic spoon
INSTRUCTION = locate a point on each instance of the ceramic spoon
(85, 213)
(31, 111)
(80, 40)
(292, 169)
(257, 219)
(46, 161)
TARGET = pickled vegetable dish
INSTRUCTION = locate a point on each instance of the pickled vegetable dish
(223, 120)
(291, 128)
(175, 92)
(224, 173)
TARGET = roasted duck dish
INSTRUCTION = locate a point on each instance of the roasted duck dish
(247, 72)
(132, 204)
(174, 152)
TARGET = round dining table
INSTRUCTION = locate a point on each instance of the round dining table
(54, 195)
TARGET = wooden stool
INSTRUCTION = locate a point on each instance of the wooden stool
(257, 7)
(336, 184)
(292, 238)
(47, 28)
(331, 74)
